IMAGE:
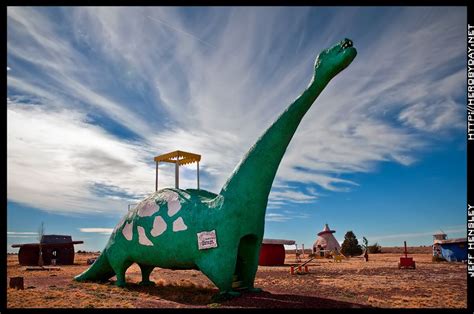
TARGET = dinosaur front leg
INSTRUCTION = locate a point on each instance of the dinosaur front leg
(146, 271)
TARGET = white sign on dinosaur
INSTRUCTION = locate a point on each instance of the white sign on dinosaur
(207, 240)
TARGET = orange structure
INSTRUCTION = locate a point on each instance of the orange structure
(178, 158)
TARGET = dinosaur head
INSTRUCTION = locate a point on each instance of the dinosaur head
(333, 60)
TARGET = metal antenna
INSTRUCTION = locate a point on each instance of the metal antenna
(443, 232)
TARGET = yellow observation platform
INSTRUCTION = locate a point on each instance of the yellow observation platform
(178, 157)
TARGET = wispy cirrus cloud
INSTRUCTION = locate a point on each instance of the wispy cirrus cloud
(97, 230)
(22, 234)
(284, 215)
(275, 217)
(412, 235)
(92, 101)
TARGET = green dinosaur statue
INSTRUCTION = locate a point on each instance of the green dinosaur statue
(218, 234)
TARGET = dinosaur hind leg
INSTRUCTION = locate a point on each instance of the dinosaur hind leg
(146, 271)
(247, 262)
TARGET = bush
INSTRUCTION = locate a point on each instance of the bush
(350, 246)
(438, 259)
(375, 248)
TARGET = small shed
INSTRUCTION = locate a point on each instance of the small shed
(452, 250)
(59, 248)
(437, 239)
(272, 252)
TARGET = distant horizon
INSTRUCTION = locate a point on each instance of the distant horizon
(92, 97)
(287, 247)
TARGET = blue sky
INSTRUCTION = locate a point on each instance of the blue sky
(93, 94)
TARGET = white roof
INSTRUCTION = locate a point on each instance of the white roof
(457, 240)
(278, 241)
(327, 241)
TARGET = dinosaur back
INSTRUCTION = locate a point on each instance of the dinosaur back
(167, 222)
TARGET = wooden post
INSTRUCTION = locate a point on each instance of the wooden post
(176, 174)
(296, 252)
(302, 245)
(40, 257)
(156, 177)
(198, 174)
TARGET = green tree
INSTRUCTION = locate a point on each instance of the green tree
(350, 246)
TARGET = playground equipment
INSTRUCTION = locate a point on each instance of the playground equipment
(297, 254)
(178, 158)
(218, 234)
(299, 267)
(338, 257)
(405, 261)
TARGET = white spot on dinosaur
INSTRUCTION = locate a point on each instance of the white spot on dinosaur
(173, 207)
(169, 195)
(159, 226)
(119, 224)
(148, 208)
(142, 238)
(173, 202)
(178, 225)
(127, 231)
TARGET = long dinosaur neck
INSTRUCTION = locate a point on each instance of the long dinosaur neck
(252, 179)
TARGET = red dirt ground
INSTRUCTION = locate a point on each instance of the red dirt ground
(351, 283)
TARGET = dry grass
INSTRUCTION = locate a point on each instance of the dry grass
(352, 283)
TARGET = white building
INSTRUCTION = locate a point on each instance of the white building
(326, 242)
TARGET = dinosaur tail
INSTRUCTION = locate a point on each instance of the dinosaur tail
(99, 271)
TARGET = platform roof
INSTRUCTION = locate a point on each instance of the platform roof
(47, 244)
(178, 156)
(278, 241)
(457, 240)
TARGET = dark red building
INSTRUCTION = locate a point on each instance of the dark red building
(272, 252)
(59, 248)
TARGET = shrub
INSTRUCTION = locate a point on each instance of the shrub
(438, 259)
(350, 246)
(375, 248)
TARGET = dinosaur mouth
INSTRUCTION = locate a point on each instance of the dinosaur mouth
(346, 44)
